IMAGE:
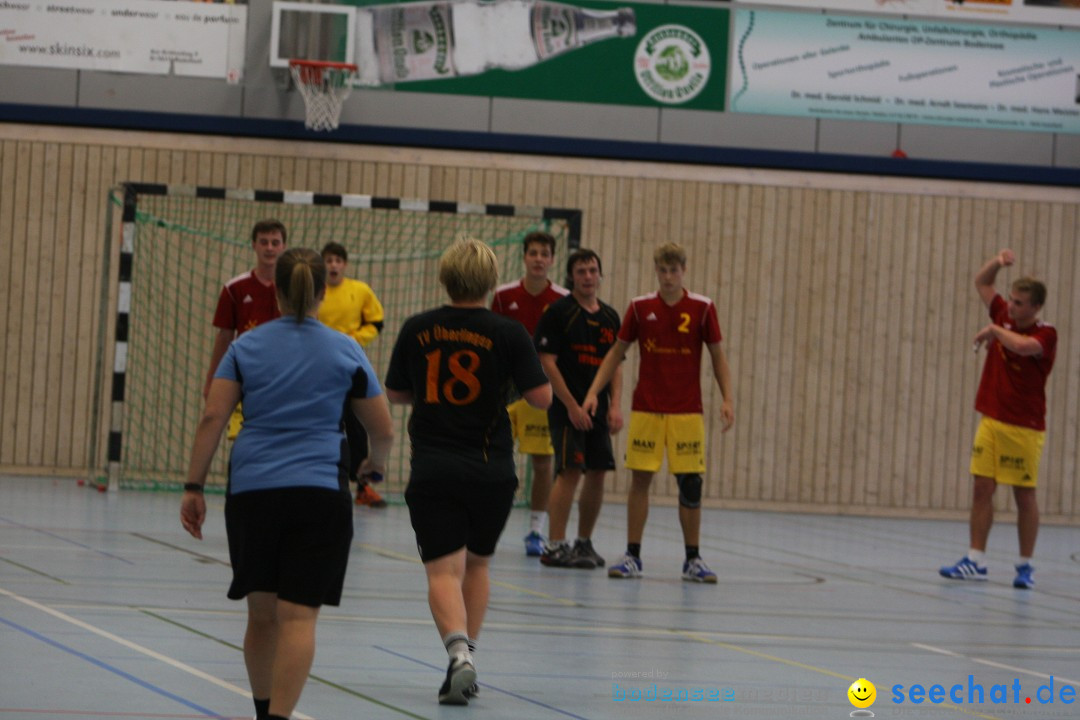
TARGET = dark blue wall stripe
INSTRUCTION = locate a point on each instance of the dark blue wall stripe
(501, 142)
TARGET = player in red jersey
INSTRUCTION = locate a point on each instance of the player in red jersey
(525, 300)
(1020, 351)
(248, 300)
(670, 327)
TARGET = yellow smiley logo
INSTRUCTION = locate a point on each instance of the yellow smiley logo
(862, 693)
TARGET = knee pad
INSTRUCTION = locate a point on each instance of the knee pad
(689, 490)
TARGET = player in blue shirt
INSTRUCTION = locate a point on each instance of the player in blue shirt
(288, 512)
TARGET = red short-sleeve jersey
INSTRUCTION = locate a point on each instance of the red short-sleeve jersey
(244, 303)
(1013, 387)
(670, 338)
(512, 300)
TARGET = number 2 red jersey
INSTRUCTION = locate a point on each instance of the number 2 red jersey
(670, 339)
(512, 300)
(1013, 387)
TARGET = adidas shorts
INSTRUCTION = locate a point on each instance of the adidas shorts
(1007, 453)
(682, 435)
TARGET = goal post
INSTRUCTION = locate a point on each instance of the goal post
(180, 244)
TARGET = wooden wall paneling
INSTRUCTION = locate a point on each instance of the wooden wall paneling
(9, 370)
(913, 353)
(72, 196)
(885, 379)
(773, 346)
(1068, 351)
(927, 338)
(860, 346)
(847, 311)
(56, 205)
(17, 158)
(942, 355)
(797, 321)
(723, 450)
(711, 243)
(812, 377)
(744, 284)
(30, 389)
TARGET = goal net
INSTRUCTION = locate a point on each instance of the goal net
(181, 244)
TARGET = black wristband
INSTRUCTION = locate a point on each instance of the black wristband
(193, 487)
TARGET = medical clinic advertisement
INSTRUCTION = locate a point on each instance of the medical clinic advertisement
(906, 71)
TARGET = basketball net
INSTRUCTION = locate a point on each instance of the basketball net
(324, 87)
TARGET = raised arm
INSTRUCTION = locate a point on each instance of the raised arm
(984, 279)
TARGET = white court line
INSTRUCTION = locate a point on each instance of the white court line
(991, 663)
(137, 648)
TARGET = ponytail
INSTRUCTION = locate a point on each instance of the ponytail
(300, 277)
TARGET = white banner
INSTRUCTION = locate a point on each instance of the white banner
(870, 67)
(159, 37)
(1032, 12)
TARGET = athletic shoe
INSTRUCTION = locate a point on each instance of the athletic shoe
(584, 548)
(534, 544)
(628, 567)
(472, 691)
(366, 495)
(1023, 580)
(460, 677)
(965, 569)
(562, 555)
(697, 571)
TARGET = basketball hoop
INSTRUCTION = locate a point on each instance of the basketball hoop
(324, 87)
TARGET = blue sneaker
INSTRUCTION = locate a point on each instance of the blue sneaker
(1023, 580)
(534, 544)
(965, 569)
(628, 567)
(697, 571)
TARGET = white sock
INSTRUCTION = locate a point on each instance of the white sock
(977, 556)
(1023, 560)
(538, 521)
(457, 643)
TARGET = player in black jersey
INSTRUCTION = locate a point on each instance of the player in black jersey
(572, 338)
(456, 365)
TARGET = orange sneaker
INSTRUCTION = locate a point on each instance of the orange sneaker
(366, 495)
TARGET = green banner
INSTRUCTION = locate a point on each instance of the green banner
(590, 52)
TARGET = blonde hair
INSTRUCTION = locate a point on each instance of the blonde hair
(300, 277)
(670, 254)
(468, 269)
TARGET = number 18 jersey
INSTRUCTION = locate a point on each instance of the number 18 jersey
(460, 364)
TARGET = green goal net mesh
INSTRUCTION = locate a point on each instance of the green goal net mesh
(185, 248)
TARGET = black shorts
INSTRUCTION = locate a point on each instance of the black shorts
(293, 542)
(449, 512)
(581, 449)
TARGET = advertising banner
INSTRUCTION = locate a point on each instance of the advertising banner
(1031, 12)
(157, 37)
(594, 52)
(906, 71)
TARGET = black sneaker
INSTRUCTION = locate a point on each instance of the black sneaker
(460, 677)
(562, 555)
(584, 548)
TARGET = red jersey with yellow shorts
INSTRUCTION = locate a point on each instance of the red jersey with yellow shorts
(666, 412)
(244, 303)
(1012, 398)
(512, 300)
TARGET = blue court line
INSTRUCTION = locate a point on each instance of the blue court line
(484, 685)
(114, 670)
(64, 539)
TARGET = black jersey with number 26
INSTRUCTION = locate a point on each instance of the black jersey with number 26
(460, 364)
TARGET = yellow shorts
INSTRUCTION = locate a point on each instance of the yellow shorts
(236, 421)
(530, 427)
(683, 436)
(1007, 453)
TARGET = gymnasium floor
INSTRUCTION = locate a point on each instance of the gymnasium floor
(109, 610)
